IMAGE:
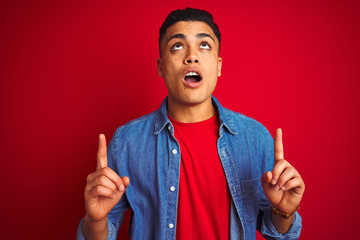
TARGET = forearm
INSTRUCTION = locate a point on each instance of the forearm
(281, 225)
(95, 230)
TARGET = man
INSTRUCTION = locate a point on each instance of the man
(197, 170)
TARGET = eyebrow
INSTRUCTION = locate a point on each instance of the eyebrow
(182, 36)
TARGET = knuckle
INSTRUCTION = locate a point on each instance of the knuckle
(87, 188)
(280, 182)
(295, 182)
(97, 190)
(276, 173)
(103, 171)
(88, 178)
(102, 180)
(287, 163)
(106, 170)
(282, 162)
(291, 171)
(114, 191)
(301, 182)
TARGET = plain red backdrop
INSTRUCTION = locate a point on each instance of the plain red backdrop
(70, 70)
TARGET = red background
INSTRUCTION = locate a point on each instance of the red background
(70, 70)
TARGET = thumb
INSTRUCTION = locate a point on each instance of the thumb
(266, 179)
(126, 181)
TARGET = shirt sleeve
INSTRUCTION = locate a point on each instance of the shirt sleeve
(269, 232)
(112, 233)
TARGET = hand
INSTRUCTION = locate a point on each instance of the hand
(104, 188)
(283, 187)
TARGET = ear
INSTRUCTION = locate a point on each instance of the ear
(159, 67)
(219, 66)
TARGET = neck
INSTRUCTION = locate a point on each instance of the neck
(190, 113)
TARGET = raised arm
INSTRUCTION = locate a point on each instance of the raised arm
(103, 190)
(283, 187)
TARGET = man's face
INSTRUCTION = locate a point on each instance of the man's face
(190, 62)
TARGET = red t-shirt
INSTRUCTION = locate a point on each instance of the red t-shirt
(204, 197)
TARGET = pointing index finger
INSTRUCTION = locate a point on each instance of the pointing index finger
(278, 145)
(102, 152)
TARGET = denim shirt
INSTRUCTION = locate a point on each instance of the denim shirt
(147, 152)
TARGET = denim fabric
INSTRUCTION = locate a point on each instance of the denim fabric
(147, 152)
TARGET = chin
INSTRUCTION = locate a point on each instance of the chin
(195, 100)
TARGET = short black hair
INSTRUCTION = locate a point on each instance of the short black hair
(188, 14)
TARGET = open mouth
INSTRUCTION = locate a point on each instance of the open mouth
(192, 77)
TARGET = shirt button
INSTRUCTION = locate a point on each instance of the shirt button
(174, 151)
(171, 225)
(172, 188)
(169, 127)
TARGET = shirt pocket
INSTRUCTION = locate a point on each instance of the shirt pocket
(249, 195)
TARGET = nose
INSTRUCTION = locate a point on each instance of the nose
(191, 57)
(190, 61)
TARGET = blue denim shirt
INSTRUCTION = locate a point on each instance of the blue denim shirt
(147, 152)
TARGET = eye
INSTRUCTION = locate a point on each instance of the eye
(204, 45)
(177, 46)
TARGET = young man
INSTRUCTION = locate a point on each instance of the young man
(197, 170)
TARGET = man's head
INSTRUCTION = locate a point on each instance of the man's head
(188, 14)
(189, 60)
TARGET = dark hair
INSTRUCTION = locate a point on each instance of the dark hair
(188, 14)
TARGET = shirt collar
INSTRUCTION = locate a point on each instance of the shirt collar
(161, 119)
